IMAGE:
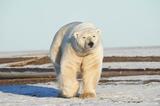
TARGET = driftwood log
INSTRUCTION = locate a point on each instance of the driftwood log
(15, 72)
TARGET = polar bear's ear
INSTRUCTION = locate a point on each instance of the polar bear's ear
(98, 31)
(76, 34)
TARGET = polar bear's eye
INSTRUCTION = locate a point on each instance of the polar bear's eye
(84, 37)
(94, 36)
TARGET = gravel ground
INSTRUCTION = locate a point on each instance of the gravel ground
(121, 93)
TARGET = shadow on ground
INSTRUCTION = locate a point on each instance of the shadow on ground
(29, 90)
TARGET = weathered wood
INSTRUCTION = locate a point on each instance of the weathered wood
(16, 61)
(25, 80)
(26, 72)
(49, 72)
(128, 72)
(132, 59)
(48, 79)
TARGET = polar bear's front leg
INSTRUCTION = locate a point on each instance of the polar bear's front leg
(69, 85)
(91, 77)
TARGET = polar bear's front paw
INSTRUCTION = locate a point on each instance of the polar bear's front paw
(87, 95)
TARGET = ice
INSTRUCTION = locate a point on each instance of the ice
(46, 94)
(132, 65)
(133, 51)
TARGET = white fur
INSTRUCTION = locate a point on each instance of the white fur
(71, 54)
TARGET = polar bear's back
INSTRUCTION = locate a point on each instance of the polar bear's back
(59, 38)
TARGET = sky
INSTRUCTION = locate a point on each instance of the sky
(31, 24)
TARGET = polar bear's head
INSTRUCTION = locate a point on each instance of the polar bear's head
(86, 36)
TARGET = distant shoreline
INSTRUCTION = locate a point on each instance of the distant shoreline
(115, 51)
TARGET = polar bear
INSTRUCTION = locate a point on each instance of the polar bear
(77, 48)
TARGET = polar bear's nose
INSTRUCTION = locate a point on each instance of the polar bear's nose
(90, 44)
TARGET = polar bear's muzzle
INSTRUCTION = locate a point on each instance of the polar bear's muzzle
(90, 44)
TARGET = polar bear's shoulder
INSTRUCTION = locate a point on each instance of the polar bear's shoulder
(59, 38)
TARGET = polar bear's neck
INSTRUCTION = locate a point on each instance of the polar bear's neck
(79, 51)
